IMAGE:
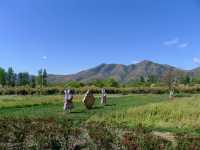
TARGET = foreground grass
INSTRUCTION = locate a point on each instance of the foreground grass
(127, 122)
(52, 106)
(152, 111)
(178, 115)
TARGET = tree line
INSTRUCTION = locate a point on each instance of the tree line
(11, 79)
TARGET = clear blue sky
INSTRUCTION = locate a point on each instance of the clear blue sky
(67, 36)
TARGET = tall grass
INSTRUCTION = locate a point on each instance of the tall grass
(180, 113)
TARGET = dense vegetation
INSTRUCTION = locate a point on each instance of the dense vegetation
(26, 90)
(126, 122)
(11, 79)
(25, 84)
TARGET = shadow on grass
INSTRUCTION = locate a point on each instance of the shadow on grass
(97, 107)
(77, 112)
(110, 105)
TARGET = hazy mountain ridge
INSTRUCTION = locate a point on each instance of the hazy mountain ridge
(120, 72)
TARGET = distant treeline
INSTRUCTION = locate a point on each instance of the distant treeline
(25, 83)
(148, 81)
(11, 79)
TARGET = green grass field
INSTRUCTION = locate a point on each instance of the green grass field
(156, 112)
(126, 122)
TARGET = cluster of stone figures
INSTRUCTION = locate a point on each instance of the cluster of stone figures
(88, 99)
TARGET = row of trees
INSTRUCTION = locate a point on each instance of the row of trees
(182, 78)
(110, 82)
(10, 78)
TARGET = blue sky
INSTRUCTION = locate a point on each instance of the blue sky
(66, 36)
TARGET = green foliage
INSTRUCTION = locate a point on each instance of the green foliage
(142, 80)
(42, 78)
(11, 77)
(80, 89)
(45, 77)
(23, 79)
(111, 83)
(187, 80)
(33, 82)
(2, 77)
(127, 122)
(74, 84)
(152, 79)
(98, 83)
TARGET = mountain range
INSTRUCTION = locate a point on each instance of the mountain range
(120, 72)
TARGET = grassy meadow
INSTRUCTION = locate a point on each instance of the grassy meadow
(153, 113)
(52, 106)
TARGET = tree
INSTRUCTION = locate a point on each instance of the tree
(142, 80)
(11, 77)
(23, 79)
(187, 80)
(45, 75)
(111, 83)
(169, 78)
(2, 77)
(152, 79)
(32, 81)
(42, 77)
(74, 84)
(97, 83)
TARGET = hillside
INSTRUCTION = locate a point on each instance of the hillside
(123, 73)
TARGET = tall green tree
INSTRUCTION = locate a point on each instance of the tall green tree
(2, 77)
(11, 77)
(42, 77)
(45, 75)
(32, 81)
(142, 79)
(23, 79)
